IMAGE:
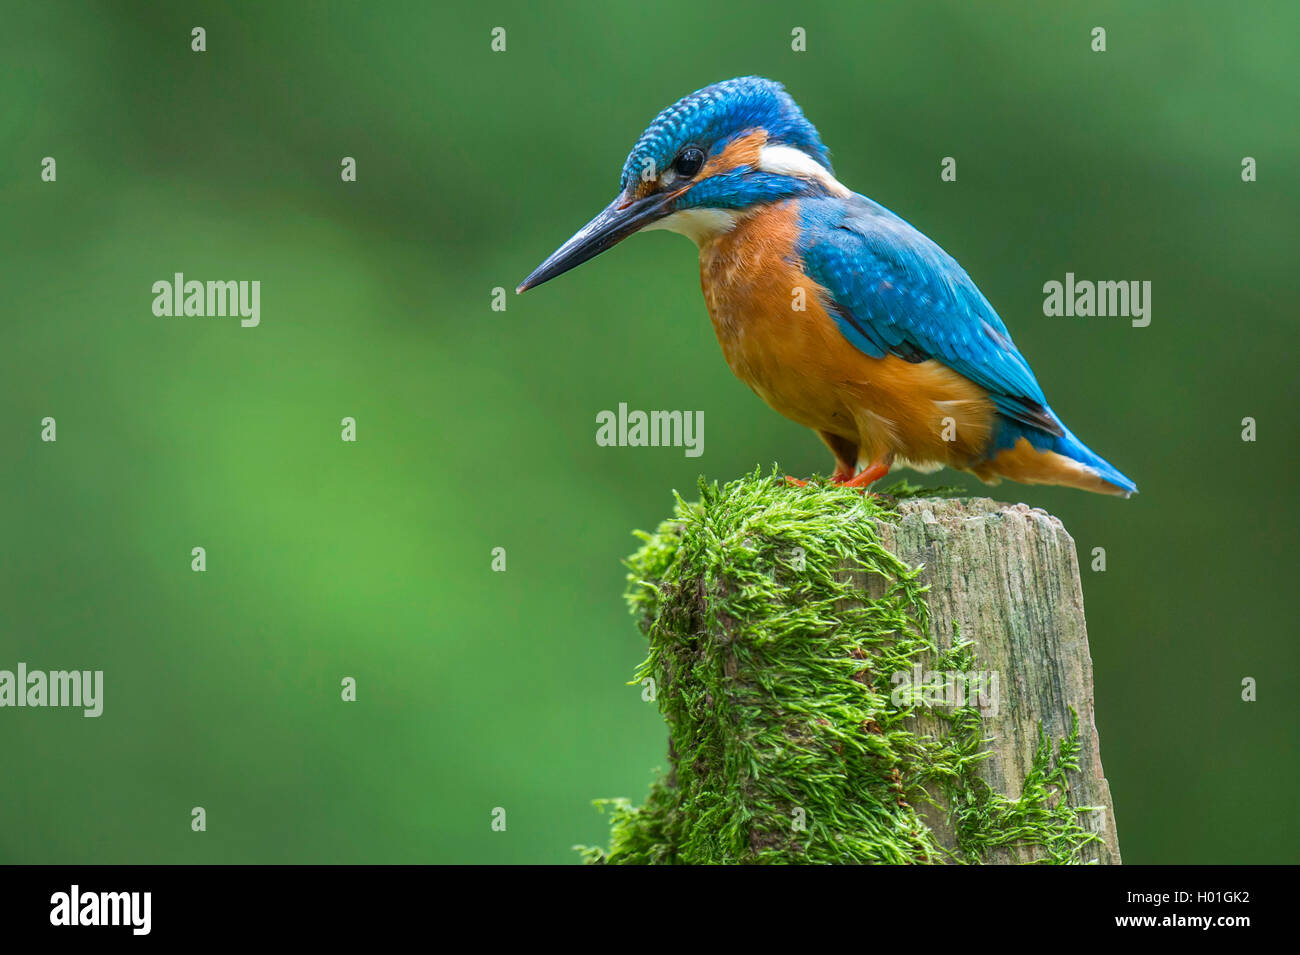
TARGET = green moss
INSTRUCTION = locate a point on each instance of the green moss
(775, 620)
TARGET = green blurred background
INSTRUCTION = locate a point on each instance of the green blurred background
(476, 427)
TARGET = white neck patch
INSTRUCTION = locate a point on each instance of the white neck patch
(789, 161)
(698, 225)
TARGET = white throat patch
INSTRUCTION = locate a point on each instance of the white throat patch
(698, 225)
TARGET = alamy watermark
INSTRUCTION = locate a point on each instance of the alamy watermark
(75, 688)
(651, 429)
(948, 688)
(208, 299)
(1085, 298)
(76, 907)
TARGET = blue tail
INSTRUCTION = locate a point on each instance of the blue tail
(1066, 445)
(1074, 449)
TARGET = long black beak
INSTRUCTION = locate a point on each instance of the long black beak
(616, 222)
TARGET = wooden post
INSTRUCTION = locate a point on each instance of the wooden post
(1007, 576)
(804, 643)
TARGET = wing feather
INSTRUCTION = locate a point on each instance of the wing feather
(894, 291)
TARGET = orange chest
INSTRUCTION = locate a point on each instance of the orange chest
(774, 333)
(779, 339)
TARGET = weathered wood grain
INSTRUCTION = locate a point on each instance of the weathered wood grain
(1007, 575)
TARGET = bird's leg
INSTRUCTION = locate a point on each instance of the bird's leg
(868, 475)
(845, 451)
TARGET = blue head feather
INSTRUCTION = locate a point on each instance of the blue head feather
(712, 117)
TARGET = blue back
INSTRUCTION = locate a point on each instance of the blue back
(894, 291)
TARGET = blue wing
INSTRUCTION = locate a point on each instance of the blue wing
(894, 291)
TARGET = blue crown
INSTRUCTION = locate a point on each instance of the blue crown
(711, 117)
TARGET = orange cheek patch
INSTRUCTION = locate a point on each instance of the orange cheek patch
(742, 151)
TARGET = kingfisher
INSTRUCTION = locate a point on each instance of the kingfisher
(838, 313)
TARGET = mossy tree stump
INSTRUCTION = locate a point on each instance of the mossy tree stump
(847, 679)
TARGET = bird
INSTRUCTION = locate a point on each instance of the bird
(837, 312)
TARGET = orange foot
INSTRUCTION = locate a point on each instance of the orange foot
(867, 476)
(844, 477)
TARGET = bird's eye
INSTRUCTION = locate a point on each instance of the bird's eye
(689, 161)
